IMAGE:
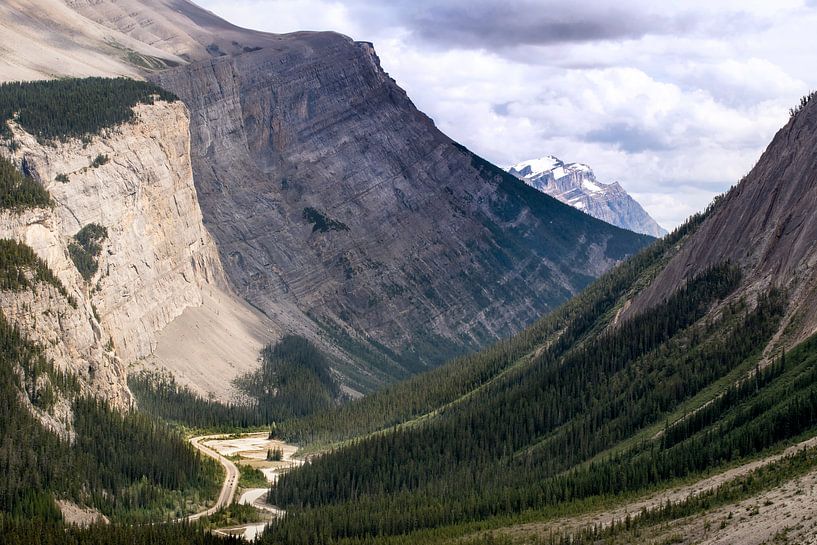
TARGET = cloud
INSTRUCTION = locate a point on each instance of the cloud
(501, 25)
(627, 137)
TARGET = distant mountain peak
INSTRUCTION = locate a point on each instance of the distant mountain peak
(576, 184)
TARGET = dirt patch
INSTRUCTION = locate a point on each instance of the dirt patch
(206, 347)
(80, 516)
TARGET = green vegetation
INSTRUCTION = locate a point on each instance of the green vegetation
(321, 222)
(85, 249)
(161, 397)
(574, 410)
(233, 515)
(100, 160)
(21, 268)
(425, 393)
(275, 455)
(523, 441)
(18, 531)
(126, 465)
(804, 101)
(294, 380)
(62, 178)
(251, 477)
(74, 108)
(18, 191)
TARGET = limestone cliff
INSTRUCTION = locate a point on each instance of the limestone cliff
(157, 260)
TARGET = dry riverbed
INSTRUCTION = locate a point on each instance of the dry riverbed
(251, 450)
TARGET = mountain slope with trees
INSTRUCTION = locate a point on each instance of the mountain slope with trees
(598, 401)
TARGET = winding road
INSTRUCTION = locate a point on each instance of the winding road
(227, 494)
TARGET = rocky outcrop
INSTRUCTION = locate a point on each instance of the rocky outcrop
(326, 190)
(576, 185)
(157, 259)
(157, 256)
(71, 335)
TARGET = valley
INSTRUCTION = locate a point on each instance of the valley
(250, 292)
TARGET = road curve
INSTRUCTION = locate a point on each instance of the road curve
(230, 480)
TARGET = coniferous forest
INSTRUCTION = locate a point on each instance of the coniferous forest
(74, 108)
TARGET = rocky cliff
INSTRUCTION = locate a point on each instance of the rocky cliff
(576, 184)
(327, 191)
(157, 259)
(767, 225)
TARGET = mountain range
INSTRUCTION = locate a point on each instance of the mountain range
(576, 185)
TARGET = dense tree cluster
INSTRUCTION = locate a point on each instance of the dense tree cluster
(524, 441)
(570, 410)
(18, 191)
(63, 108)
(21, 268)
(321, 222)
(162, 397)
(294, 379)
(18, 531)
(125, 464)
(85, 249)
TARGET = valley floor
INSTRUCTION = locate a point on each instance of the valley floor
(248, 451)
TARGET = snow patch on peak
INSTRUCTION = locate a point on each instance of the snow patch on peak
(590, 186)
(537, 166)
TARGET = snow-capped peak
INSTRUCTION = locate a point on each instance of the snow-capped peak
(576, 185)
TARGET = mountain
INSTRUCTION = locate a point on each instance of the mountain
(675, 398)
(338, 210)
(271, 132)
(328, 191)
(576, 185)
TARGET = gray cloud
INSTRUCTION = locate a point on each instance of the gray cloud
(503, 108)
(627, 137)
(487, 24)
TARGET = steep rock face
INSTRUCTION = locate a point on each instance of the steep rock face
(157, 256)
(576, 185)
(72, 336)
(327, 191)
(767, 225)
(157, 261)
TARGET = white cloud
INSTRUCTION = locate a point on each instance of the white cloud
(675, 105)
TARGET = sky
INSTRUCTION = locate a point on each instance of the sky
(674, 100)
